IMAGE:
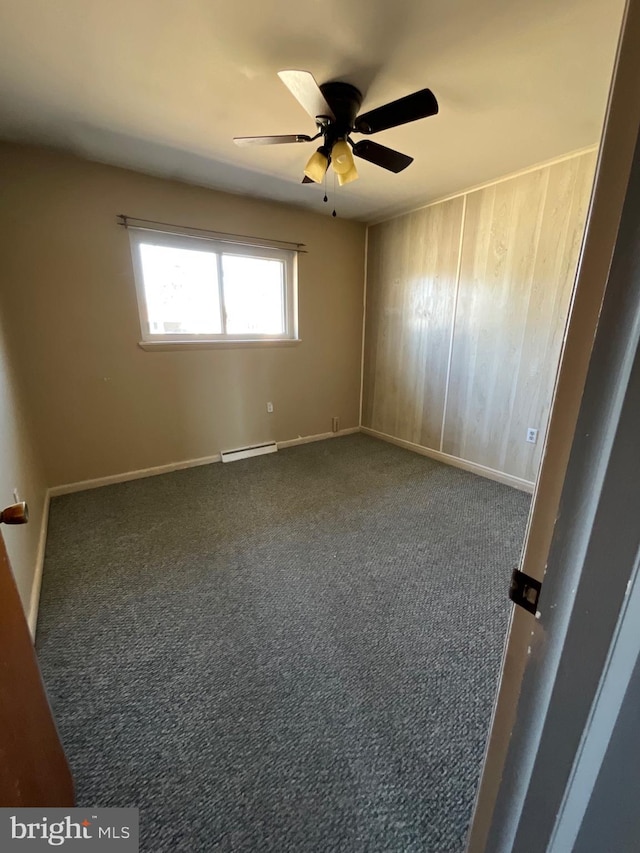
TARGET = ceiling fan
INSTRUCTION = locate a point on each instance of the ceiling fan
(334, 106)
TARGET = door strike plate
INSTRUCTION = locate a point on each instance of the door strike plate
(525, 591)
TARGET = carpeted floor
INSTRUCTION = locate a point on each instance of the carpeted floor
(296, 652)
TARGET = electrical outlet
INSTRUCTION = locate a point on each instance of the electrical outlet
(532, 435)
(270, 407)
(335, 424)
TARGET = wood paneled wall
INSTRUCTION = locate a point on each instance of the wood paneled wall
(412, 270)
(467, 301)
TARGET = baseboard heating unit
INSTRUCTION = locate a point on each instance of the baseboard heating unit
(245, 452)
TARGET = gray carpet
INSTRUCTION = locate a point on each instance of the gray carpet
(297, 652)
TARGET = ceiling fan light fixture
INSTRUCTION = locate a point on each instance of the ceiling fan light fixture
(317, 165)
(341, 157)
(335, 108)
(347, 177)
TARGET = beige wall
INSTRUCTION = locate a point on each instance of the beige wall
(101, 405)
(466, 308)
(21, 469)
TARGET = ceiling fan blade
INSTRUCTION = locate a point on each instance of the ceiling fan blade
(420, 104)
(389, 159)
(271, 140)
(305, 90)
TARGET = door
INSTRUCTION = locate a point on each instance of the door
(33, 767)
(584, 498)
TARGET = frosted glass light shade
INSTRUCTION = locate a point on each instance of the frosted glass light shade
(317, 166)
(341, 157)
(347, 177)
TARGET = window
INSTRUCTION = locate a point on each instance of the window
(195, 289)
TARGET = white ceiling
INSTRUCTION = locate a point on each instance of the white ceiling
(162, 86)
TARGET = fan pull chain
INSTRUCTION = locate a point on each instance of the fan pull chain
(334, 214)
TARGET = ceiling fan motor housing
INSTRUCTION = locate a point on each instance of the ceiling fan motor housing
(345, 101)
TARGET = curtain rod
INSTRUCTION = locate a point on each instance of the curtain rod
(205, 233)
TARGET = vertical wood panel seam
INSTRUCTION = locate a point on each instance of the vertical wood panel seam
(364, 319)
(453, 319)
(490, 237)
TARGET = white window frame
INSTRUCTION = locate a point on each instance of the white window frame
(288, 257)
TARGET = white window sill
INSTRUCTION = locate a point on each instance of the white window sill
(165, 346)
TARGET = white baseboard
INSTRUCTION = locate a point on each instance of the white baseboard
(321, 436)
(473, 467)
(83, 485)
(483, 471)
(36, 585)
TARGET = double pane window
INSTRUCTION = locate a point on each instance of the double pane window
(195, 289)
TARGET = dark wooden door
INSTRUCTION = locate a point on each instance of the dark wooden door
(33, 767)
